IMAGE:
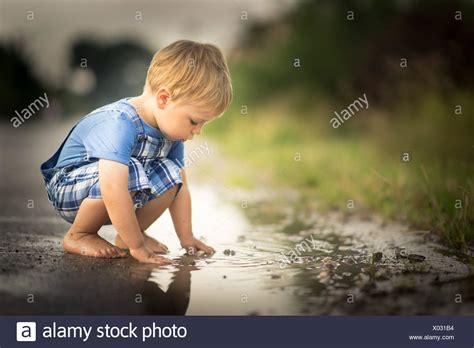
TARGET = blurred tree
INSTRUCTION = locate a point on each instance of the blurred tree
(118, 69)
(348, 47)
(18, 86)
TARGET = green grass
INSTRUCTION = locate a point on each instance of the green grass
(361, 161)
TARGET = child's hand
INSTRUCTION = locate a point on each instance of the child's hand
(193, 245)
(145, 255)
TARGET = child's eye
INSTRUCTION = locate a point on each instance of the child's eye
(193, 123)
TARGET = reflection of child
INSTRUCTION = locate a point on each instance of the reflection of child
(123, 163)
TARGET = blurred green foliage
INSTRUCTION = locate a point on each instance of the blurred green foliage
(281, 112)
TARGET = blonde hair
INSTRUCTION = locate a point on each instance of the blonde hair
(193, 72)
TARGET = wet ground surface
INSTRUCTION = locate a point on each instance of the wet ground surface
(274, 257)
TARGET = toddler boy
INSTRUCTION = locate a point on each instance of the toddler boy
(123, 163)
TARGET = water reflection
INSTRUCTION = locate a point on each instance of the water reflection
(340, 261)
(170, 300)
(237, 279)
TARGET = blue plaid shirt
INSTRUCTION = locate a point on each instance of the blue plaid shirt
(107, 133)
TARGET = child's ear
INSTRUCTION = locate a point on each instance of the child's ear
(163, 97)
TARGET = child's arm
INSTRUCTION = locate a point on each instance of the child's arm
(113, 180)
(180, 211)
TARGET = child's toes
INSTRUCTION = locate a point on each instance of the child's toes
(113, 252)
(110, 252)
(119, 253)
(159, 248)
(155, 245)
(106, 252)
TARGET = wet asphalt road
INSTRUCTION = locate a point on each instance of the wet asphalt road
(36, 276)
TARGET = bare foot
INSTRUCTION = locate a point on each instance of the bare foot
(90, 244)
(150, 243)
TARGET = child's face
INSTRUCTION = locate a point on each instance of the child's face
(182, 121)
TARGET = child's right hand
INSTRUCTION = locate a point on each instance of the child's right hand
(145, 255)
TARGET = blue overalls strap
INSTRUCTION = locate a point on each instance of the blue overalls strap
(137, 121)
(48, 168)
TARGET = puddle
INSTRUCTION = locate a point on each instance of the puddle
(302, 265)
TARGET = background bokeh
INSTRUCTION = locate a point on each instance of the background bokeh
(412, 59)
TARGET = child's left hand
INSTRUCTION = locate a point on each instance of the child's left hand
(193, 245)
